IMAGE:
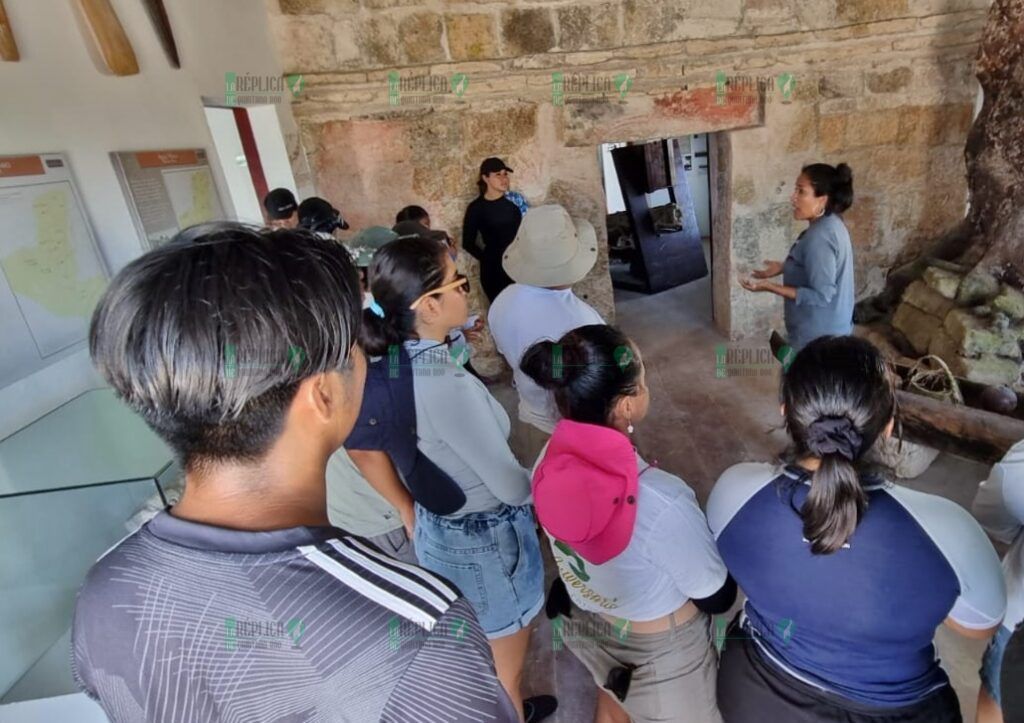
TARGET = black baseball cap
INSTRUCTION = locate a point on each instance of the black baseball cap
(493, 165)
(317, 214)
(280, 204)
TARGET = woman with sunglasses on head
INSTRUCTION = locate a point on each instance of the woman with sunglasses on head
(631, 543)
(488, 547)
(847, 575)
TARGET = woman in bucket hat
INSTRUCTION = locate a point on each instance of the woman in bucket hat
(631, 543)
(551, 252)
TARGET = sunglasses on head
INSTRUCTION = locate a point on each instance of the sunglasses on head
(460, 282)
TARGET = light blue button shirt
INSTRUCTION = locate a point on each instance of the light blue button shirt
(820, 266)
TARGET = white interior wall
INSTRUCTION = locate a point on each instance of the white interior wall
(58, 99)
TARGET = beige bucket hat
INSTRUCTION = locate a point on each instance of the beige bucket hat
(551, 249)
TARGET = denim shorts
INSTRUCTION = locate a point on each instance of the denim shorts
(992, 662)
(492, 557)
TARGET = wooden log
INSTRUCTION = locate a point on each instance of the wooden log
(8, 48)
(964, 431)
(110, 37)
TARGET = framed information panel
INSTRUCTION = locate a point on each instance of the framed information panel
(167, 191)
(51, 270)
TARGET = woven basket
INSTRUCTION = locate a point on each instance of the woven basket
(931, 377)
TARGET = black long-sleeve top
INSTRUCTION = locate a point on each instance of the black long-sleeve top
(495, 223)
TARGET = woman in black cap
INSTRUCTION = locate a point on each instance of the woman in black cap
(494, 216)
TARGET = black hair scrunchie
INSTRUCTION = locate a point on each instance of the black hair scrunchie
(834, 435)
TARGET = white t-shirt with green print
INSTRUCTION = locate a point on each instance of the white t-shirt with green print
(670, 558)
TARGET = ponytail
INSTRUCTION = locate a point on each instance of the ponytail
(401, 271)
(378, 334)
(589, 369)
(838, 398)
(836, 500)
(544, 363)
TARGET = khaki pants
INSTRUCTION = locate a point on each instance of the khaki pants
(674, 678)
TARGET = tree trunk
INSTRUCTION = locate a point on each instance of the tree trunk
(995, 149)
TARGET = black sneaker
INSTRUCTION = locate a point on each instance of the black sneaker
(539, 707)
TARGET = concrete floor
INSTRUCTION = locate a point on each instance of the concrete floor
(698, 426)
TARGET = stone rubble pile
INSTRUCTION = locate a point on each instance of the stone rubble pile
(970, 320)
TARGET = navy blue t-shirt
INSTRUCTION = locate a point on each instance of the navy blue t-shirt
(859, 622)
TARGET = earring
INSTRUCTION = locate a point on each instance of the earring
(629, 426)
(821, 212)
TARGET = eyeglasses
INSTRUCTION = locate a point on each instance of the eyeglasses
(460, 282)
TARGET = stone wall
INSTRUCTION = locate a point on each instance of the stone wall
(403, 99)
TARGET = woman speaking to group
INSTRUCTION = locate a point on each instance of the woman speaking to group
(817, 276)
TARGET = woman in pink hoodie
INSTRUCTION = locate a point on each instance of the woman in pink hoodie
(632, 546)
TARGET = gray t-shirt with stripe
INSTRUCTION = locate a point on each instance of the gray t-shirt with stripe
(187, 622)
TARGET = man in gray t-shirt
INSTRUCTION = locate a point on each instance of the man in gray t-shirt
(242, 602)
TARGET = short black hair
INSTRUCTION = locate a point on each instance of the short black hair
(209, 336)
(411, 213)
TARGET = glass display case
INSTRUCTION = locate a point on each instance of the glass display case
(72, 484)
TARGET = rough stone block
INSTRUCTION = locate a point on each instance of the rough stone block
(861, 222)
(866, 11)
(306, 45)
(977, 287)
(831, 132)
(527, 31)
(890, 81)
(421, 37)
(873, 128)
(650, 21)
(802, 135)
(917, 326)
(943, 281)
(471, 37)
(583, 27)
(989, 369)
(378, 42)
(943, 346)
(970, 334)
(1010, 301)
(841, 84)
(927, 299)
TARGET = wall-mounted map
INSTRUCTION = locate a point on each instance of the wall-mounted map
(52, 271)
(167, 191)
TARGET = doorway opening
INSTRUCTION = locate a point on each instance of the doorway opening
(660, 217)
(252, 157)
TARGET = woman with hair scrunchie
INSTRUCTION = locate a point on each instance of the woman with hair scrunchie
(817, 275)
(847, 575)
